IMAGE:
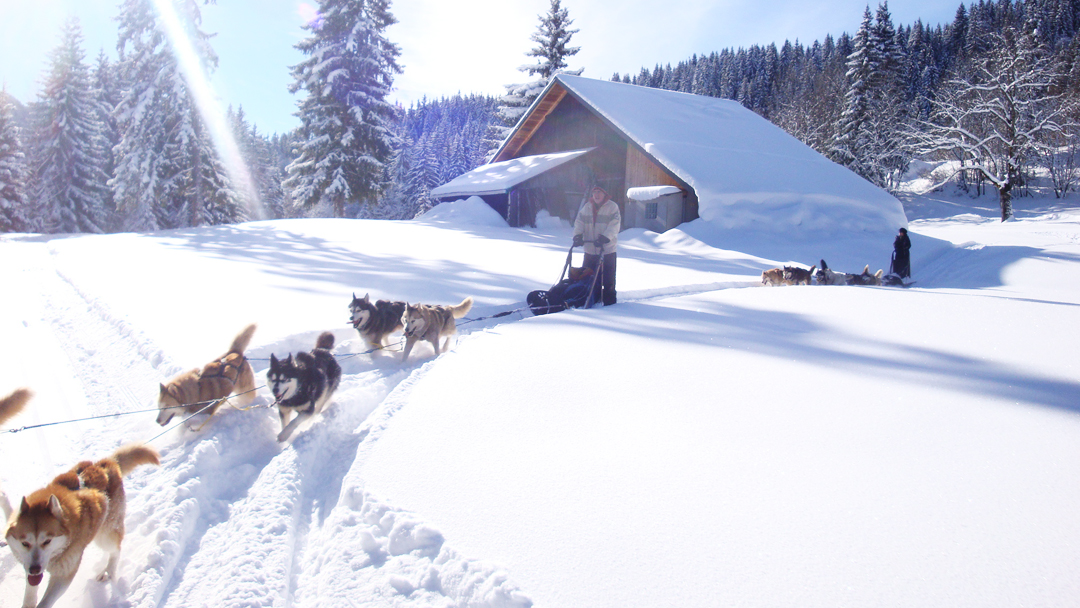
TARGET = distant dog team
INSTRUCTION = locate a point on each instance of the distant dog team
(793, 275)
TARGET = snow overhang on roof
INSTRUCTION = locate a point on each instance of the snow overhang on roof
(648, 193)
(499, 178)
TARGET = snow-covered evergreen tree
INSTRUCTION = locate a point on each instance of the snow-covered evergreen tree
(552, 37)
(70, 193)
(107, 92)
(256, 151)
(12, 170)
(168, 173)
(345, 133)
(868, 139)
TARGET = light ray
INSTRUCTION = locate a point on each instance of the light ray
(191, 66)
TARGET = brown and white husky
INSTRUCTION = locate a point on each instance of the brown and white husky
(54, 525)
(195, 389)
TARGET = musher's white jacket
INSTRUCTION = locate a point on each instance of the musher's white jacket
(592, 222)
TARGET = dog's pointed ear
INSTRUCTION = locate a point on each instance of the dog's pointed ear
(55, 508)
(25, 506)
(273, 360)
(162, 390)
(354, 295)
(367, 297)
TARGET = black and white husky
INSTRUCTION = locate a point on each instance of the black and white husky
(303, 383)
(375, 321)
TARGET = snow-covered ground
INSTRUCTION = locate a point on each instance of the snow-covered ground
(705, 442)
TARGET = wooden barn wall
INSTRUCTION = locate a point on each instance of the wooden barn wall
(641, 171)
(571, 126)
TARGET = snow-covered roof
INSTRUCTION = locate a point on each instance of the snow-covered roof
(647, 193)
(746, 171)
(497, 178)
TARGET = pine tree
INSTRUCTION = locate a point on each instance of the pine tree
(70, 193)
(107, 94)
(868, 137)
(12, 170)
(552, 36)
(168, 174)
(345, 135)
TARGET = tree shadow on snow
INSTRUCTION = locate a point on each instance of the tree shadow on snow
(315, 260)
(791, 336)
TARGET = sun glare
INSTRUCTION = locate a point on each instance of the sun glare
(209, 108)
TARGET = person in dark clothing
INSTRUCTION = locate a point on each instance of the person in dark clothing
(901, 265)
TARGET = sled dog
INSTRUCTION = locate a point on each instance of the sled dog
(826, 276)
(376, 321)
(10, 407)
(56, 523)
(432, 323)
(866, 278)
(793, 275)
(772, 276)
(190, 391)
(303, 384)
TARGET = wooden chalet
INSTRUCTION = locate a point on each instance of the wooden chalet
(666, 158)
(561, 121)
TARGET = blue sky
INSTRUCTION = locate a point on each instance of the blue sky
(448, 46)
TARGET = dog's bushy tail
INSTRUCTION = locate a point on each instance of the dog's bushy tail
(240, 342)
(14, 403)
(462, 309)
(135, 454)
(326, 341)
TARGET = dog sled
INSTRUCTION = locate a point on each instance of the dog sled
(576, 288)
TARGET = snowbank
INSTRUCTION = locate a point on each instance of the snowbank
(472, 211)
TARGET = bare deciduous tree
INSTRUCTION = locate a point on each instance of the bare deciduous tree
(999, 116)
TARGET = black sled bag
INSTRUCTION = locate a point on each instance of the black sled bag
(565, 294)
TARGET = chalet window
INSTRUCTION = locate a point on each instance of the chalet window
(651, 210)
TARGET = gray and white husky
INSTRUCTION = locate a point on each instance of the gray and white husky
(375, 321)
(432, 323)
(303, 383)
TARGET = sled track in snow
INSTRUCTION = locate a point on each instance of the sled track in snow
(233, 481)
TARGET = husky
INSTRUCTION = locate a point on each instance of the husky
(193, 389)
(10, 407)
(866, 278)
(303, 384)
(376, 321)
(793, 275)
(826, 276)
(773, 276)
(432, 323)
(54, 525)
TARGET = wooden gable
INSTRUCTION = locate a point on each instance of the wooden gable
(531, 123)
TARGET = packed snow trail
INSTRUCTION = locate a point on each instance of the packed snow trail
(230, 480)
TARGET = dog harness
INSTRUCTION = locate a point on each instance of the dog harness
(223, 364)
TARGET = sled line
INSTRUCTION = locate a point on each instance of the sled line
(205, 405)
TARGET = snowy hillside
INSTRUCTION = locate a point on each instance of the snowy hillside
(705, 442)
